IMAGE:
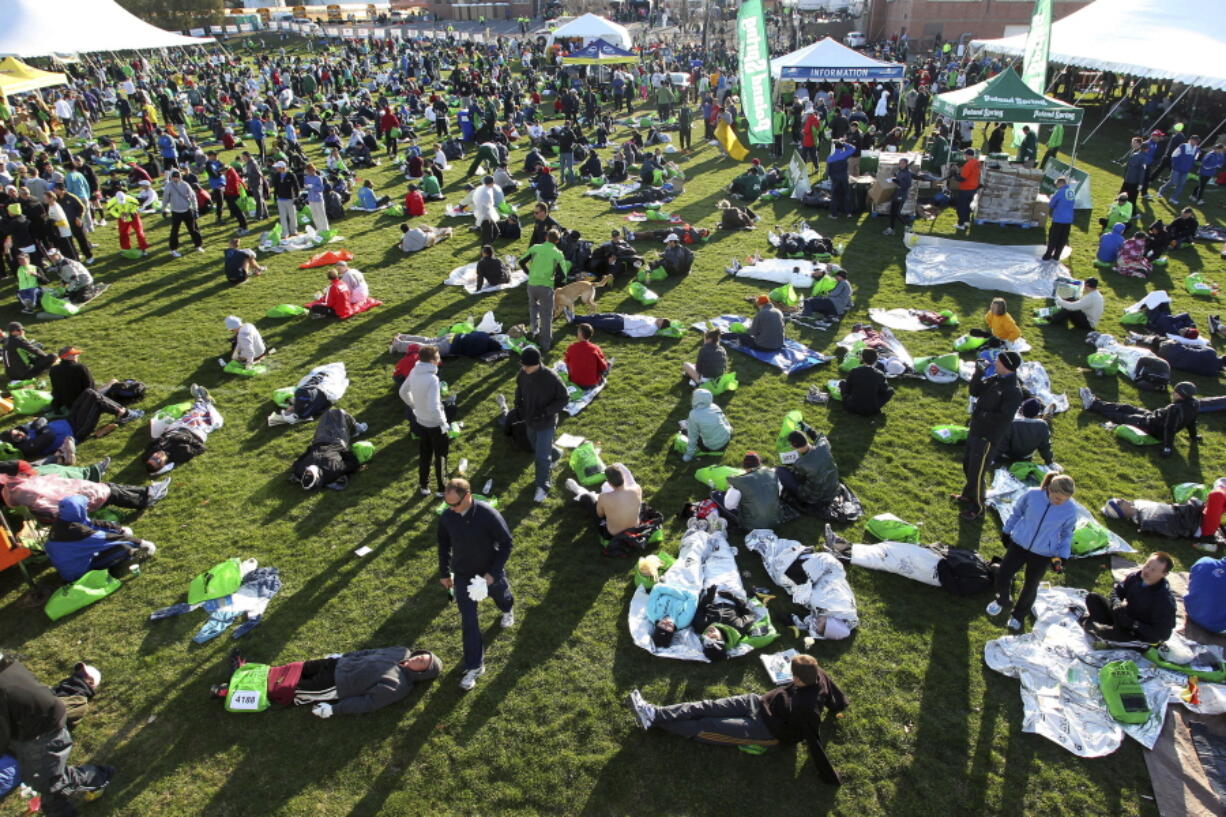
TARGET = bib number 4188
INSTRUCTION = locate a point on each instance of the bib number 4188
(245, 700)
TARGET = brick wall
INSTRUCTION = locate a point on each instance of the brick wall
(953, 18)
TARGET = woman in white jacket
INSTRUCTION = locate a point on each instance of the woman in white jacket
(422, 393)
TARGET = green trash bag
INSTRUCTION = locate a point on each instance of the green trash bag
(304, 215)
(680, 442)
(716, 476)
(640, 293)
(396, 210)
(506, 208)
(1103, 362)
(596, 181)
(286, 311)
(238, 367)
(939, 368)
(852, 359)
(1195, 284)
(93, 586)
(1122, 691)
(1189, 490)
(671, 331)
(823, 285)
(1134, 319)
(653, 274)
(968, 343)
(1088, 536)
(1028, 472)
(786, 295)
(273, 236)
(644, 580)
(284, 397)
(725, 382)
(1201, 673)
(950, 318)
(586, 463)
(658, 215)
(363, 450)
(949, 434)
(58, 306)
(327, 235)
(889, 528)
(222, 580)
(1135, 436)
(176, 410)
(835, 388)
(248, 689)
(132, 254)
(32, 383)
(737, 328)
(646, 121)
(30, 401)
(461, 328)
(792, 421)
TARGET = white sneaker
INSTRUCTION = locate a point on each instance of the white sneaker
(644, 713)
(540, 496)
(508, 619)
(993, 609)
(959, 226)
(574, 487)
(888, 231)
(425, 492)
(1087, 397)
(176, 254)
(501, 400)
(470, 678)
(200, 249)
(1014, 625)
(148, 549)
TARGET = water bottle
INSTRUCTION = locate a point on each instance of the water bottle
(463, 466)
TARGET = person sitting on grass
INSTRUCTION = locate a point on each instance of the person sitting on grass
(368, 199)
(765, 331)
(1109, 245)
(329, 459)
(676, 259)
(834, 304)
(1140, 608)
(712, 360)
(185, 438)
(30, 283)
(1084, 312)
(619, 505)
(735, 218)
(754, 499)
(247, 346)
(707, 428)
(865, 390)
(811, 479)
(77, 544)
(22, 486)
(354, 683)
(421, 236)
(490, 270)
(1121, 213)
(1182, 230)
(1162, 424)
(23, 358)
(586, 365)
(1028, 433)
(786, 715)
(1132, 261)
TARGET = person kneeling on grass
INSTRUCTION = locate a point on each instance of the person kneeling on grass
(1140, 608)
(1163, 423)
(77, 544)
(352, 683)
(247, 345)
(22, 486)
(786, 715)
(185, 438)
(707, 428)
(241, 264)
(1037, 534)
(865, 390)
(329, 458)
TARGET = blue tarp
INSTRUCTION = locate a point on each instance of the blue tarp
(793, 357)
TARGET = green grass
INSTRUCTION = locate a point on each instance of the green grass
(931, 731)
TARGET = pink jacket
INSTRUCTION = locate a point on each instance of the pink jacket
(42, 493)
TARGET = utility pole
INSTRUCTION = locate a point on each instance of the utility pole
(706, 25)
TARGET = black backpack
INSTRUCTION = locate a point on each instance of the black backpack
(126, 391)
(452, 149)
(509, 229)
(1153, 374)
(965, 573)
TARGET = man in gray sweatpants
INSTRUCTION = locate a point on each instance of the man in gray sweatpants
(540, 315)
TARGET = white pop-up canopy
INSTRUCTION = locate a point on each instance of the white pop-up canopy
(40, 28)
(591, 27)
(1184, 42)
(828, 60)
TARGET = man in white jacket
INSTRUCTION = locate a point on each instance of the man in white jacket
(422, 393)
(486, 199)
(248, 345)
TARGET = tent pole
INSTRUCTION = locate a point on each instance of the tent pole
(1073, 159)
(1186, 88)
(1205, 141)
(1104, 119)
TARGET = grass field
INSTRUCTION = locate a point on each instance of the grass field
(931, 731)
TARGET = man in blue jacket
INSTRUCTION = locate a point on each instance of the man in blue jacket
(78, 544)
(256, 128)
(1183, 162)
(836, 170)
(1136, 170)
(1061, 208)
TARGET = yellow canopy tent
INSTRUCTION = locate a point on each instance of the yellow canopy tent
(16, 77)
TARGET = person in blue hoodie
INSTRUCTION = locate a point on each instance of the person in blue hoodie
(836, 170)
(1110, 243)
(1039, 533)
(1210, 165)
(1061, 208)
(78, 545)
(1155, 152)
(1206, 598)
(1183, 162)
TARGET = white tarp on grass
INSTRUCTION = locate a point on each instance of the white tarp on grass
(1019, 270)
(466, 276)
(1007, 489)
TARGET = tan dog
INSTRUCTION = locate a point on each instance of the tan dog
(565, 297)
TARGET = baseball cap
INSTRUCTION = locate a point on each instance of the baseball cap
(69, 350)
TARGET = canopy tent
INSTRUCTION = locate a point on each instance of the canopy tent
(1143, 38)
(591, 27)
(16, 77)
(1004, 98)
(39, 28)
(599, 52)
(830, 60)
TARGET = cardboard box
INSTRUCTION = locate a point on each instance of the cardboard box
(881, 192)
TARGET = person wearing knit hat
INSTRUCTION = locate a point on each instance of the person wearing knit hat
(766, 329)
(540, 396)
(998, 398)
(1029, 432)
(247, 346)
(1162, 424)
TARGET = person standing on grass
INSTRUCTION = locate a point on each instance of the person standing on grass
(1061, 208)
(474, 543)
(998, 398)
(422, 394)
(540, 397)
(1038, 533)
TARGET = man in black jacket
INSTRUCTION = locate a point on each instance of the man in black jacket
(23, 358)
(34, 729)
(285, 191)
(329, 459)
(1141, 607)
(540, 397)
(69, 378)
(1202, 360)
(542, 223)
(997, 400)
(1027, 434)
(474, 543)
(865, 391)
(785, 716)
(1163, 423)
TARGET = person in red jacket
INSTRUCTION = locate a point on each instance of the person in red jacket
(389, 126)
(335, 302)
(810, 134)
(234, 187)
(585, 361)
(414, 202)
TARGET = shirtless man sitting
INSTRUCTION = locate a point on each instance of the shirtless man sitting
(618, 506)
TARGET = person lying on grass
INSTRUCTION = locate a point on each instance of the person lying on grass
(78, 544)
(22, 486)
(329, 458)
(1193, 518)
(185, 438)
(55, 440)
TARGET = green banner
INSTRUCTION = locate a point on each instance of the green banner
(1034, 64)
(755, 71)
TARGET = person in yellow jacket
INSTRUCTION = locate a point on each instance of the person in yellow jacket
(126, 211)
(1000, 322)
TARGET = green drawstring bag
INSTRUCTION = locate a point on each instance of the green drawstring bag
(248, 689)
(1088, 536)
(658, 215)
(1135, 436)
(1137, 318)
(396, 210)
(586, 463)
(671, 331)
(852, 359)
(174, 411)
(1122, 691)
(286, 311)
(792, 421)
(716, 476)
(949, 434)
(1215, 676)
(641, 579)
(461, 328)
(646, 121)
(835, 389)
(284, 397)
(968, 343)
(245, 202)
(327, 235)
(889, 528)
(763, 632)
(939, 368)
(506, 208)
(30, 401)
(273, 236)
(950, 318)
(132, 254)
(1028, 472)
(823, 285)
(786, 295)
(304, 215)
(222, 580)
(1103, 363)
(642, 294)
(737, 328)
(93, 586)
(363, 450)
(654, 274)
(1189, 490)
(1196, 284)
(238, 367)
(725, 382)
(596, 181)
(680, 442)
(394, 133)
(59, 306)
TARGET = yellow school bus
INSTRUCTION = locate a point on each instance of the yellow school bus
(265, 15)
(334, 14)
(300, 13)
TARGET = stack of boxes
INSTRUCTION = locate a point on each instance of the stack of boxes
(882, 192)
(1010, 193)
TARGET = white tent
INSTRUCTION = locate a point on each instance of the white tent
(39, 28)
(830, 60)
(1184, 42)
(594, 27)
